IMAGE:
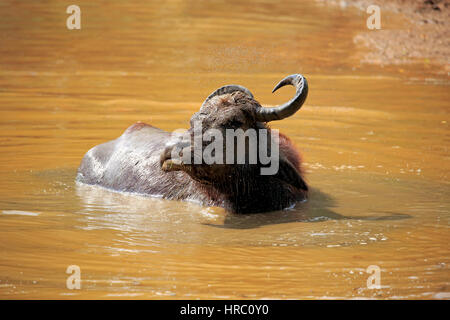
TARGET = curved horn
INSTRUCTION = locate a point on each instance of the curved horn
(289, 108)
(228, 89)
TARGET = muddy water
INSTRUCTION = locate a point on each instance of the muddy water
(375, 145)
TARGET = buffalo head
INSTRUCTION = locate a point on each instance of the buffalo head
(229, 143)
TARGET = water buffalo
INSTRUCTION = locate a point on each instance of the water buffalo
(150, 161)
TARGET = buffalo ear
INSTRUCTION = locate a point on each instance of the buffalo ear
(289, 174)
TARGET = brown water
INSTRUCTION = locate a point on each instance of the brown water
(375, 142)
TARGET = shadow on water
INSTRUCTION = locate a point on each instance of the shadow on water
(319, 207)
(133, 210)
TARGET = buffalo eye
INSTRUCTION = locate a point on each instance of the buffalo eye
(234, 123)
